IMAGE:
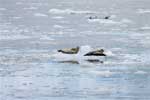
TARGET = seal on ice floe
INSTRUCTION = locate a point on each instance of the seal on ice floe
(99, 52)
(93, 17)
(79, 55)
(96, 17)
(70, 51)
(107, 17)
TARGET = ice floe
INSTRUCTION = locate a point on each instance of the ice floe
(145, 28)
(56, 33)
(69, 11)
(13, 37)
(110, 21)
(140, 72)
(31, 8)
(106, 73)
(17, 17)
(2, 9)
(19, 3)
(57, 17)
(126, 21)
(45, 37)
(40, 15)
(104, 21)
(58, 26)
(142, 11)
(79, 57)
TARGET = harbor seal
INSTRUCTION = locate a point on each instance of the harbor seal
(70, 51)
(99, 52)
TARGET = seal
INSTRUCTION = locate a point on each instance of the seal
(99, 52)
(107, 17)
(70, 51)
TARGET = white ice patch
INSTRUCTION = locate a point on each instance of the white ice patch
(126, 59)
(17, 17)
(56, 33)
(19, 3)
(116, 29)
(4, 31)
(69, 11)
(57, 17)
(113, 16)
(2, 9)
(145, 58)
(103, 21)
(109, 53)
(13, 37)
(145, 28)
(31, 8)
(58, 26)
(104, 90)
(140, 72)
(126, 21)
(142, 11)
(110, 21)
(103, 73)
(45, 37)
(40, 15)
(131, 58)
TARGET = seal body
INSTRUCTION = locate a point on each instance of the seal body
(96, 53)
(69, 51)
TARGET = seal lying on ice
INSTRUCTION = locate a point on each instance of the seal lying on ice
(70, 51)
(107, 17)
(78, 55)
(96, 17)
(99, 52)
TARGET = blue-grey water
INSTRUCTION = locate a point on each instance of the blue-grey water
(30, 30)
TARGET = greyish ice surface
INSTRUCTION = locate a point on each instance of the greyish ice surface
(31, 30)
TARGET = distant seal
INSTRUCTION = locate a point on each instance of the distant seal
(99, 52)
(93, 17)
(107, 17)
(96, 17)
(70, 51)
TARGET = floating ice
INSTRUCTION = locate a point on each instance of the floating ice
(57, 17)
(79, 57)
(103, 73)
(13, 37)
(31, 8)
(69, 11)
(45, 37)
(40, 15)
(56, 33)
(110, 21)
(145, 28)
(2, 9)
(109, 53)
(19, 3)
(17, 17)
(142, 11)
(126, 21)
(140, 72)
(58, 26)
(103, 21)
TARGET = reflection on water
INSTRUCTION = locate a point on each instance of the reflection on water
(31, 31)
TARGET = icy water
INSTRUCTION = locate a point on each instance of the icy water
(31, 30)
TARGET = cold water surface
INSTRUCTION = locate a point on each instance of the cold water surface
(32, 30)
